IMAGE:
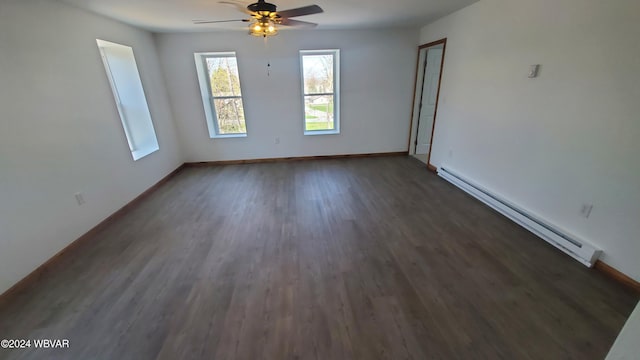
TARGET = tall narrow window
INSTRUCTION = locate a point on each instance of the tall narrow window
(320, 91)
(122, 72)
(221, 94)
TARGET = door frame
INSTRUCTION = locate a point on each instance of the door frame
(413, 103)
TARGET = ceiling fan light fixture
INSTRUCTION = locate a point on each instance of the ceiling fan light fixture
(264, 27)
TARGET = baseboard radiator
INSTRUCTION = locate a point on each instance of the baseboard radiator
(585, 253)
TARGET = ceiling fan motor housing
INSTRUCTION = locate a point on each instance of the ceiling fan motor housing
(261, 7)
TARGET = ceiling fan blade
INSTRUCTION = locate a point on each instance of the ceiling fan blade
(298, 23)
(217, 21)
(301, 11)
(240, 7)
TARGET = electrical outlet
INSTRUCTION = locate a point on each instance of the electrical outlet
(277, 140)
(79, 198)
(585, 210)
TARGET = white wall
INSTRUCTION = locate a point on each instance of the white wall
(60, 132)
(377, 69)
(552, 143)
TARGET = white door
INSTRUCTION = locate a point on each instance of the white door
(428, 101)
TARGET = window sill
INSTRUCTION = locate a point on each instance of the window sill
(228, 136)
(139, 154)
(322, 132)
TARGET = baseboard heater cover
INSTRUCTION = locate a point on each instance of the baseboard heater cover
(580, 250)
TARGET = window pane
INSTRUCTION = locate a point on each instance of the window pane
(219, 79)
(318, 112)
(223, 76)
(318, 73)
(230, 116)
(320, 87)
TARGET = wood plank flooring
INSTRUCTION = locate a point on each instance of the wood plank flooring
(370, 258)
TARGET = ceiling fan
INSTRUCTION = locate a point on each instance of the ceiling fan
(264, 17)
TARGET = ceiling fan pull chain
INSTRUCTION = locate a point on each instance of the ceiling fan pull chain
(266, 48)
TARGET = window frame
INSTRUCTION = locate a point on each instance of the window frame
(208, 99)
(336, 91)
(131, 125)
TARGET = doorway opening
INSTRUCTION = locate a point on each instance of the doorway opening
(425, 100)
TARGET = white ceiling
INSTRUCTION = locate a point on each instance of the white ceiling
(176, 15)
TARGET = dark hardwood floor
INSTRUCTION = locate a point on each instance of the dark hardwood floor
(370, 258)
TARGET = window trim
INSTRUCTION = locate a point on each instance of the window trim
(208, 98)
(335, 93)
